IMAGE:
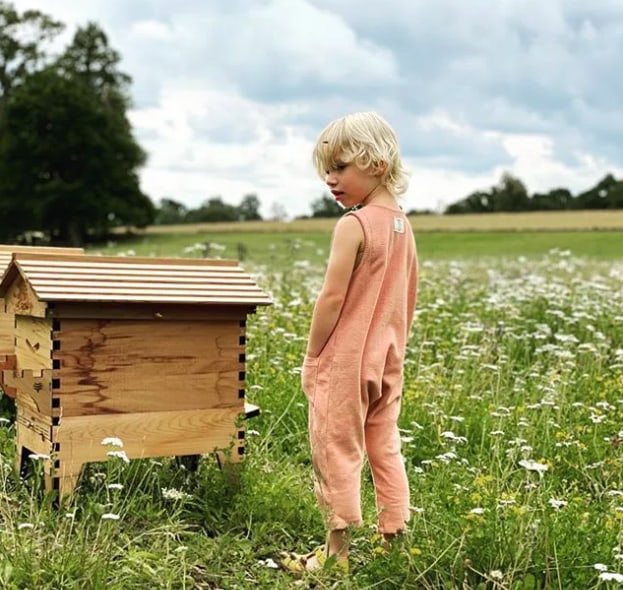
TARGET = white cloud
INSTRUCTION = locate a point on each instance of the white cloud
(229, 96)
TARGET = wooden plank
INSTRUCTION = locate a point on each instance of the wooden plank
(7, 333)
(156, 434)
(86, 261)
(128, 366)
(148, 311)
(36, 422)
(113, 286)
(7, 363)
(145, 275)
(11, 248)
(33, 440)
(154, 298)
(7, 251)
(20, 299)
(33, 343)
(34, 389)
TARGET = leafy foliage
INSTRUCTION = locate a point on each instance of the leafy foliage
(325, 206)
(511, 195)
(68, 160)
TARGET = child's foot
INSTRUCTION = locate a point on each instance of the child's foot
(312, 562)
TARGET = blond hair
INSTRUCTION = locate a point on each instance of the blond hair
(367, 140)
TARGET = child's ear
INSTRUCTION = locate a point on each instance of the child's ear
(379, 168)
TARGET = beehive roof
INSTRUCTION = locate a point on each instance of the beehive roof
(7, 251)
(77, 278)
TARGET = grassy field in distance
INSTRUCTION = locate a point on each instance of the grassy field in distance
(532, 221)
(267, 247)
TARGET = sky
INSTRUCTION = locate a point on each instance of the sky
(229, 96)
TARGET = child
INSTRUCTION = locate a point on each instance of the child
(353, 367)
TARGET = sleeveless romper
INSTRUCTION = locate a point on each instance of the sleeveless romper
(354, 386)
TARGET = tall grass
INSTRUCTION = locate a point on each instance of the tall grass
(511, 429)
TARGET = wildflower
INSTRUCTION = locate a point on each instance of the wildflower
(112, 441)
(110, 516)
(119, 455)
(270, 563)
(496, 575)
(4, 421)
(611, 577)
(557, 504)
(531, 465)
(70, 515)
(415, 551)
(173, 494)
(36, 456)
(25, 525)
(115, 486)
(477, 510)
(416, 509)
(446, 457)
(449, 435)
(600, 567)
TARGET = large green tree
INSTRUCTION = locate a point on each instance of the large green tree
(510, 194)
(23, 37)
(326, 206)
(68, 160)
(213, 209)
(249, 208)
(606, 194)
(170, 212)
(66, 166)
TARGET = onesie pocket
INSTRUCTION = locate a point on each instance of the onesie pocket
(309, 376)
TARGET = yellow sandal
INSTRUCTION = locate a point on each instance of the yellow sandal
(296, 563)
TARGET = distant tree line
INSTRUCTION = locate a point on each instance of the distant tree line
(213, 209)
(511, 195)
(171, 211)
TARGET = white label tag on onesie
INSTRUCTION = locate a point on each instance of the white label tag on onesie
(399, 225)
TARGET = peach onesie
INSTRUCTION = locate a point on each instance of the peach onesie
(354, 386)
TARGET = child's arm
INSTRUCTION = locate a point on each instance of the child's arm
(347, 239)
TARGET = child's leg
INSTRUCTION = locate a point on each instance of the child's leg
(387, 465)
(336, 424)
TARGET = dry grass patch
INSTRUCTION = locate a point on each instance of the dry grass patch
(506, 222)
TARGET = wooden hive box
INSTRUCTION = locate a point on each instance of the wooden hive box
(7, 320)
(147, 350)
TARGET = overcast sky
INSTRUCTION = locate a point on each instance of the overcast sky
(229, 95)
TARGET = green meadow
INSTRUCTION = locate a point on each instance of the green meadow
(266, 247)
(511, 427)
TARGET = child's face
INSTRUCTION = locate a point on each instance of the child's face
(350, 185)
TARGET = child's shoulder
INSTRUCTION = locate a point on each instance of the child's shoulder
(348, 227)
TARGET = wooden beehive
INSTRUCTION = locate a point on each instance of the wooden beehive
(147, 350)
(7, 320)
